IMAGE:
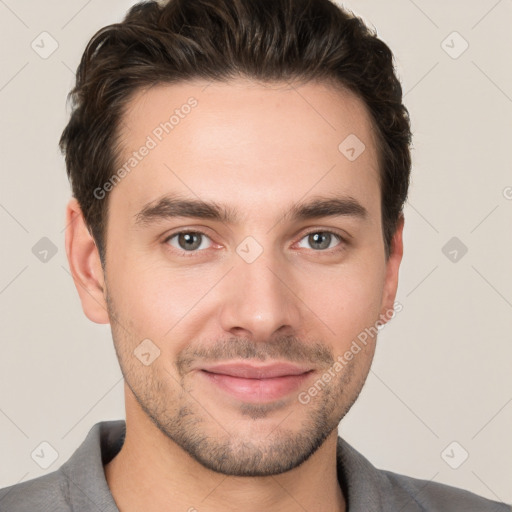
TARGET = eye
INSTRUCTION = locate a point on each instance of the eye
(322, 240)
(189, 241)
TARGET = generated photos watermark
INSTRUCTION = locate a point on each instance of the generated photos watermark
(152, 141)
(357, 345)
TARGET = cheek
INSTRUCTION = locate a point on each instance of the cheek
(159, 301)
(347, 302)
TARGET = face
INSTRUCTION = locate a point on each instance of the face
(246, 250)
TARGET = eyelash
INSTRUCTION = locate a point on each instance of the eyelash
(196, 252)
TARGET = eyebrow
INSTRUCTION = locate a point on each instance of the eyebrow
(169, 207)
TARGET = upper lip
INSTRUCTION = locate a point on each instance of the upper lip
(251, 371)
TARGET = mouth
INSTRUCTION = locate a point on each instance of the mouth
(256, 384)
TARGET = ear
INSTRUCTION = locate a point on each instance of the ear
(392, 267)
(85, 265)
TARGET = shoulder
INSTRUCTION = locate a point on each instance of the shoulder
(433, 496)
(370, 489)
(47, 492)
(79, 484)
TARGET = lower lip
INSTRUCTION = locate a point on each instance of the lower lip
(257, 390)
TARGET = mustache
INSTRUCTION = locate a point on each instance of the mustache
(287, 348)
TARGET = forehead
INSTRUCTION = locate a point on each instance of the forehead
(246, 140)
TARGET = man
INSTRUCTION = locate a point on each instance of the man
(239, 170)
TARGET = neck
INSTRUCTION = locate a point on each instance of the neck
(152, 473)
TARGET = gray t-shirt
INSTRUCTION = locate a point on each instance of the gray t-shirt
(79, 485)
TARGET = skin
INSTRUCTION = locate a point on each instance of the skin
(257, 148)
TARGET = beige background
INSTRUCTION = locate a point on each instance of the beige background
(442, 371)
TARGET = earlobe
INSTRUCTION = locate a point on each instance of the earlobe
(392, 269)
(85, 265)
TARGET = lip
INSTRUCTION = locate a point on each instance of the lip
(256, 384)
(251, 371)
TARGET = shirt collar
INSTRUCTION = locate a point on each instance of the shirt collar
(88, 490)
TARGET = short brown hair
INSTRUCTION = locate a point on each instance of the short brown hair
(266, 40)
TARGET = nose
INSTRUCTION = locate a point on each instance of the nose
(260, 299)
